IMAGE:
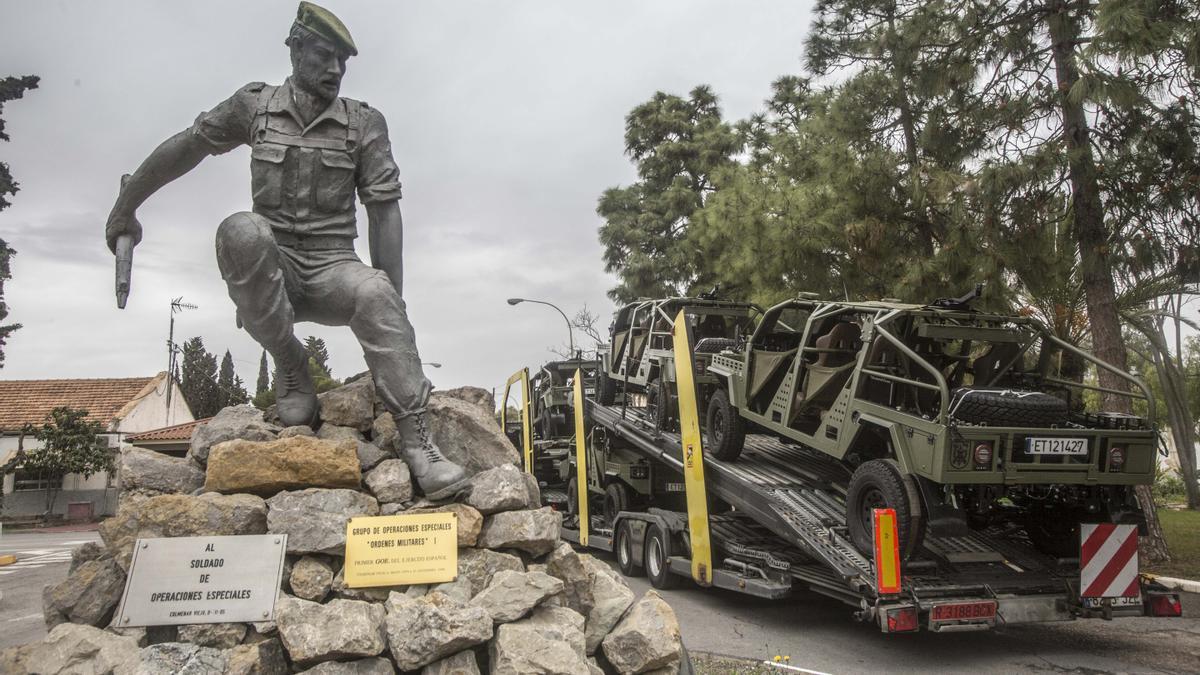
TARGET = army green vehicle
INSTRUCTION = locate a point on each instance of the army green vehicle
(552, 420)
(639, 358)
(957, 419)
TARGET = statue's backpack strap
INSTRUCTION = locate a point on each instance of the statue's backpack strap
(258, 128)
(354, 114)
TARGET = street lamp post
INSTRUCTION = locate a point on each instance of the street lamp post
(431, 364)
(570, 331)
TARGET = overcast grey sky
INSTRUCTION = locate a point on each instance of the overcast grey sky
(506, 120)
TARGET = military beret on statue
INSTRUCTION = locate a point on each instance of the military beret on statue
(322, 22)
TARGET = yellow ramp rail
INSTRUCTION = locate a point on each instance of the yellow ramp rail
(693, 453)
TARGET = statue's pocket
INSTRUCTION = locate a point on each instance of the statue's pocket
(335, 190)
(266, 174)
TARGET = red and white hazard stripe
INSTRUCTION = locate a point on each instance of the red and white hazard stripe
(1108, 560)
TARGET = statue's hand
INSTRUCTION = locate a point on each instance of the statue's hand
(119, 224)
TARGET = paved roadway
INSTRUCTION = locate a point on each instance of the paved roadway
(42, 558)
(819, 634)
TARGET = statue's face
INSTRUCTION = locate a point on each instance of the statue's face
(318, 67)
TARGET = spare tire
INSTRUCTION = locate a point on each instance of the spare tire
(1008, 408)
(712, 345)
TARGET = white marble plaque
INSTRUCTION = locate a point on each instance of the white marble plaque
(182, 580)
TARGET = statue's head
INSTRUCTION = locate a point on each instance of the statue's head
(320, 45)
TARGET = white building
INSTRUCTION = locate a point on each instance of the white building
(123, 406)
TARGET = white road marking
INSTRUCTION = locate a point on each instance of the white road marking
(796, 669)
(22, 618)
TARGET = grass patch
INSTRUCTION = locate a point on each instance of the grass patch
(1182, 530)
(711, 664)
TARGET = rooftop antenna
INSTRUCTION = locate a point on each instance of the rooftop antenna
(177, 305)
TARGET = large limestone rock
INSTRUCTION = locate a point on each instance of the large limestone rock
(150, 470)
(469, 520)
(479, 565)
(384, 433)
(260, 658)
(559, 624)
(459, 590)
(88, 596)
(390, 482)
(522, 650)
(462, 663)
(182, 516)
(468, 435)
(216, 635)
(474, 395)
(372, 666)
(427, 629)
(567, 565)
(332, 432)
(511, 594)
(534, 532)
(311, 578)
(350, 405)
(298, 430)
(238, 421)
(370, 455)
(647, 638)
(180, 658)
(80, 554)
(265, 468)
(315, 519)
(339, 629)
(498, 489)
(612, 597)
(73, 648)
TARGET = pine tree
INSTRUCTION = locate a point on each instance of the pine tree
(198, 380)
(315, 347)
(230, 389)
(6, 252)
(264, 375)
(10, 88)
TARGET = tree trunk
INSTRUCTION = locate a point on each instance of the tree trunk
(1091, 235)
(1179, 416)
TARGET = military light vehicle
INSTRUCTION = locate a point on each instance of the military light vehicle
(955, 418)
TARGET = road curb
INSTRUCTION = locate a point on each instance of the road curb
(1187, 585)
(7, 560)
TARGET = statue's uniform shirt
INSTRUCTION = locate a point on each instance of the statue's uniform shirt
(292, 259)
(304, 176)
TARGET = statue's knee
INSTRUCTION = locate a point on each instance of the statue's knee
(377, 293)
(243, 230)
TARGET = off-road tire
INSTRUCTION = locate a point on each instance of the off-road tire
(606, 389)
(880, 484)
(1008, 409)
(623, 550)
(658, 399)
(714, 345)
(572, 496)
(616, 500)
(725, 431)
(657, 550)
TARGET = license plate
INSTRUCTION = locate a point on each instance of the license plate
(1056, 446)
(1097, 603)
(964, 611)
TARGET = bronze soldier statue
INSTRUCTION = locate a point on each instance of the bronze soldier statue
(292, 258)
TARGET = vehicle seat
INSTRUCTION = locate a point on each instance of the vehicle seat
(986, 368)
(765, 365)
(618, 343)
(829, 374)
(883, 357)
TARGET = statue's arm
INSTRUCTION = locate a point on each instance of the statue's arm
(385, 235)
(176, 156)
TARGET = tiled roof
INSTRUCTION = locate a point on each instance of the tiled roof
(177, 432)
(30, 401)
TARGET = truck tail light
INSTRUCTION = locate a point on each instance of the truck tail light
(1164, 604)
(983, 456)
(902, 620)
(1116, 459)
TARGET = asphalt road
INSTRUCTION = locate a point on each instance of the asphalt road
(42, 558)
(820, 634)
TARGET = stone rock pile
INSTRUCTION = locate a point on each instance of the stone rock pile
(523, 602)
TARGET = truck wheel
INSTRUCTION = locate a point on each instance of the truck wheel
(1008, 408)
(606, 393)
(616, 500)
(572, 496)
(623, 547)
(725, 430)
(658, 400)
(657, 551)
(879, 484)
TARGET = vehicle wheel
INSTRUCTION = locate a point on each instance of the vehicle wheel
(725, 430)
(658, 401)
(1008, 408)
(623, 548)
(616, 500)
(879, 484)
(572, 496)
(606, 393)
(657, 551)
(1055, 534)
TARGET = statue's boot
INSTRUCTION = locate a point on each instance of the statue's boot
(295, 394)
(437, 476)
